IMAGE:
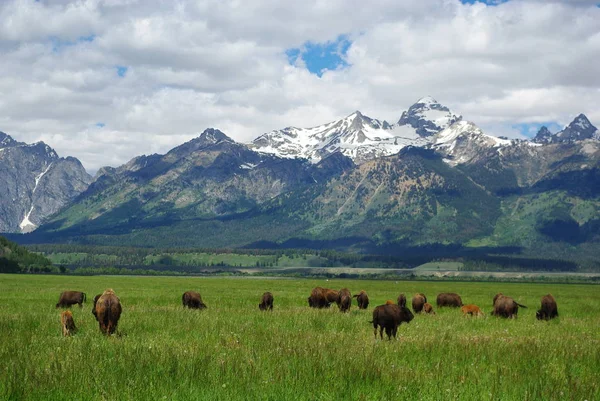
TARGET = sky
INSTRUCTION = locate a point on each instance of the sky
(108, 80)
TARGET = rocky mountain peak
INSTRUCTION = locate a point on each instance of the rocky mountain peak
(578, 130)
(7, 141)
(543, 135)
(428, 117)
(211, 136)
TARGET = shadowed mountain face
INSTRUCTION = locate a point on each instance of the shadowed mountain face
(35, 183)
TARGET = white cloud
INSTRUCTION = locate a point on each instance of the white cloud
(198, 64)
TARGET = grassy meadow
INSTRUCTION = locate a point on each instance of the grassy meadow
(232, 351)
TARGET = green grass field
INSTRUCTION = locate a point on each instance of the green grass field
(232, 351)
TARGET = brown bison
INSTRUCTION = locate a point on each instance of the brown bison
(401, 300)
(362, 299)
(449, 299)
(471, 310)
(68, 324)
(389, 317)
(344, 300)
(68, 298)
(266, 302)
(418, 301)
(549, 309)
(108, 311)
(192, 300)
(428, 308)
(322, 297)
(506, 307)
(94, 306)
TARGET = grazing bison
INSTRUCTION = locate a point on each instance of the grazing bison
(322, 297)
(192, 300)
(428, 308)
(549, 309)
(402, 300)
(506, 307)
(418, 301)
(362, 299)
(68, 298)
(68, 324)
(344, 300)
(94, 306)
(108, 311)
(389, 317)
(449, 299)
(266, 302)
(472, 310)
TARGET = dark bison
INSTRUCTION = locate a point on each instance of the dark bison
(192, 300)
(418, 301)
(402, 300)
(362, 299)
(449, 299)
(68, 324)
(506, 306)
(389, 317)
(266, 302)
(68, 298)
(549, 309)
(322, 297)
(108, 311)
(428, 308)
(94, 306)
(344, 300)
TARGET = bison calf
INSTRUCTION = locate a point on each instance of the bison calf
(192, 300)
(68, 298)
(108, 311)
(266, 302)
(449, 299)
(68, 324)
(549, 309)
(418, 301)
(388, 317)
(428, 308)
(471, 310)
(362, 299)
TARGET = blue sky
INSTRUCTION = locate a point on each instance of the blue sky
(321, 56)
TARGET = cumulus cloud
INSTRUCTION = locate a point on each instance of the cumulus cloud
(107, 80)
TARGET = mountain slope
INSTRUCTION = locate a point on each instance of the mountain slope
(36, 183)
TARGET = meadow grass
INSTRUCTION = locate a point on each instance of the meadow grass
(232, 351)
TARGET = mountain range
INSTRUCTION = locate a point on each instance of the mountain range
(358, 183)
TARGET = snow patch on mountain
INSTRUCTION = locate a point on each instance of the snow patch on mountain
(26, 225)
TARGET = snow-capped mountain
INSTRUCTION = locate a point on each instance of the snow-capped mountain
(359, 137)
(579, 129)
(35, 183)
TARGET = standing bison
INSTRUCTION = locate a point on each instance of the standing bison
(68, 298)
(94, 306)
(428, 308)
(418, 301)
(449, 299)
(471, 310)
(362, 299)
(506, 306)
(322, 297)
(192, 300)
(266, 302)
(344, 300)
(402, 300)
(549, 309)
(108, 311)
(388, 317)
(67, 322)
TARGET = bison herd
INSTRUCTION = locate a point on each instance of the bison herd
(107, 307)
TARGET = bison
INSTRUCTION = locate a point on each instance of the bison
(266, 302)
(471, 310)
(94, 306)
(401, 300)
(418, 301)
(68, 324)
(549, 309)
(192, 300)
(506, 307)
(389, 317)
(322, 297)
(362, 299)
(449, 299)
(68, 298)
(108, 311)
(428, 308)
(344, 300)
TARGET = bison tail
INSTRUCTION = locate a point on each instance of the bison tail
(522, 306)
(355, 296)
(84, 297)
